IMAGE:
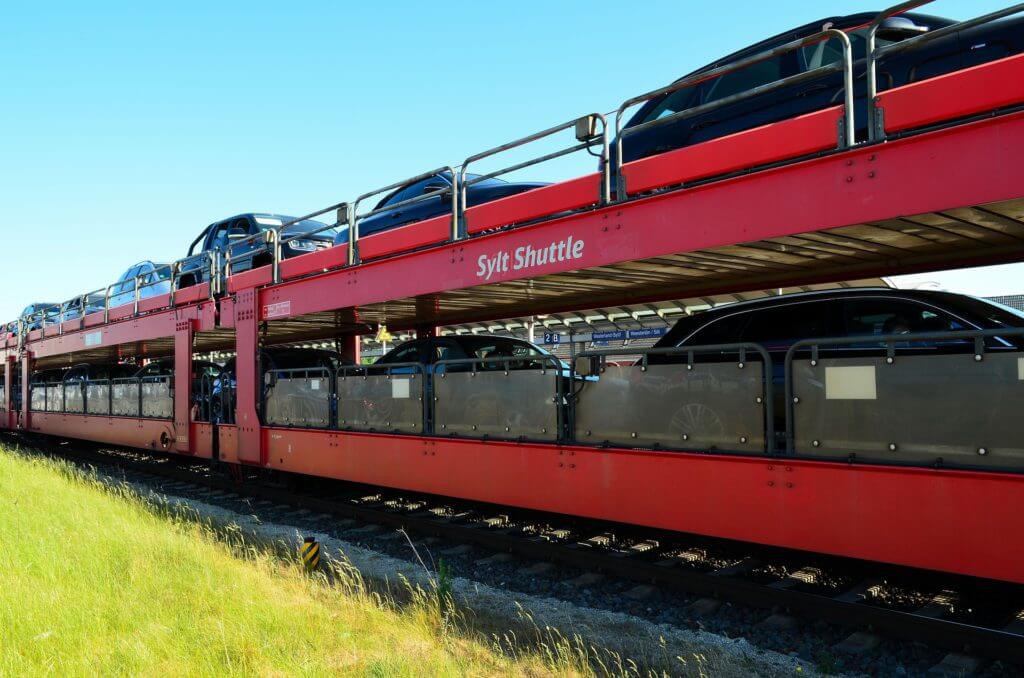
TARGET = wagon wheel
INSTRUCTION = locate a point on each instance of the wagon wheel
(699, 422)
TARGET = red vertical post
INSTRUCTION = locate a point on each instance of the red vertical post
(9, 414)
(26, 391)
(183, 335)
(247, 389)
(349, 347)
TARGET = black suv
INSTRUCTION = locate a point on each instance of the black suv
(963, 49)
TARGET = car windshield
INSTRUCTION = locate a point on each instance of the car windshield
(992, 312)
(483, 347)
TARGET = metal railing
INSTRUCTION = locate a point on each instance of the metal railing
(354, 216)
(876, 122)
(341, 218)
(846, 135)
(587, 133)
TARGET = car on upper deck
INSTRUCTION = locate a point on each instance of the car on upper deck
(235, 237)
(33, 315)
(154, 280)
(432, 198)
(969, 47)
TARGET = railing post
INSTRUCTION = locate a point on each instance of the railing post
(353, 232)
(135, 310)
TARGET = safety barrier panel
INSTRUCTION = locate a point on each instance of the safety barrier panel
(704, 398)
(124, 397)
(518, 398)
(97, 397)
(382, 398)
(929, 398)
(299, 398)
(157, 401)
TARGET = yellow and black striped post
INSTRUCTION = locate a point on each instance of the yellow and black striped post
(310, 552)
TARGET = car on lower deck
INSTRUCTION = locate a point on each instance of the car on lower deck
(431, 197)
(777, 323)
(966, 48)
(480, 351)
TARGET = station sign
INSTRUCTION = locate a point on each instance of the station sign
(605, 337)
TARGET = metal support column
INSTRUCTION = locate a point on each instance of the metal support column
(184, 332)
(248, 379)
(26, 391)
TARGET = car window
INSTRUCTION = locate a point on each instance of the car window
(413, 190)
(754, 75)
(785, 325)
(406, 354)
(896, 316)
(727, 330)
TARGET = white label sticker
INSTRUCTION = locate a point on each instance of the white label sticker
(399, 388)
(277, 310)
(94, 339)
(850, 383)
(1020, 369)
(314, 384)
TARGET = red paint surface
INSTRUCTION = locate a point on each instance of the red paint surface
(539, 202)
(955, 95)
(764, 145)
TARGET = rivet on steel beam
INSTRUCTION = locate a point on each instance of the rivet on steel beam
(741, 366)
(643, 368)
(632, 434)
(686, 437)
(689, 367)
(978, 357)
(507, 429)
(743, 439)
(892, 447)
(889, 360)
(816, 443)
(814, 363)
(589, 432)
(759, 400)
(796, 400)
(982, 451)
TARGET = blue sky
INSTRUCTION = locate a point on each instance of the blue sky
(127, 127)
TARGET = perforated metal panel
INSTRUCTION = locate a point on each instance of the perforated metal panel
(713, 406)
(74, 398)
(381, 402)
(124, 399)
(299, 401)
(919, 409)
(97, 398)
(3, 398)
(497, 403)
(156, 399)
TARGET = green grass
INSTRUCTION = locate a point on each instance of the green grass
(94, 581)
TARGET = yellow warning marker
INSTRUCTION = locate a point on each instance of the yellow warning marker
(310, 551)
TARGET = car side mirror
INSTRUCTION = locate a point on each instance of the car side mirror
(898, 28)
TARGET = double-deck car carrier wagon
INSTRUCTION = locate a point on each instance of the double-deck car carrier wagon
(886, 454)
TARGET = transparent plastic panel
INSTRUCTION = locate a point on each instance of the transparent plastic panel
(97, 398)
(3, 396)
(299, 401)
(124, 399)
(74, 398)
(381, 402)
(497, 403)
(919, 409)
(157, 402)
(55, 398)
(38, 399)
(713, 406)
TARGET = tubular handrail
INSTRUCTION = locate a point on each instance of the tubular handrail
(845, 140)
(875, 54)
(740, 349)
(268, 237)
(341, 218)
(354, 216)
(586, 135)
(889, 340)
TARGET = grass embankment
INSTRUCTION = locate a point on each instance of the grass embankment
(95, 581)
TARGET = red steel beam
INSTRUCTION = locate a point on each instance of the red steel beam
(946, 520)
(965, 165)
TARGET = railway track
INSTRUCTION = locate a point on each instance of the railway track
(970, 619)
